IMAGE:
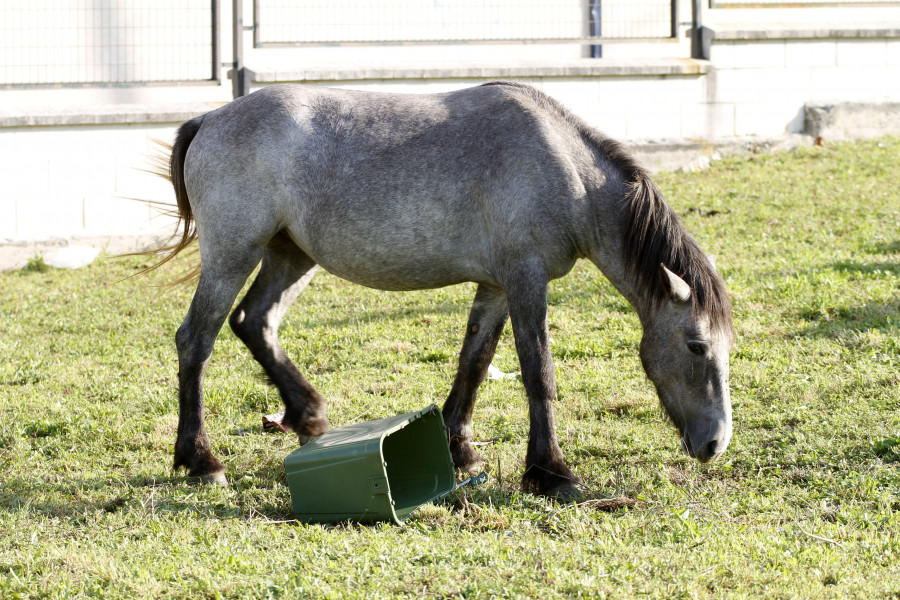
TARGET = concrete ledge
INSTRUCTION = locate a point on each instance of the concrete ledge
(481, 70)
(15, 255)
(848, 121)
(806, 32)
(118, 114)
(693, 155)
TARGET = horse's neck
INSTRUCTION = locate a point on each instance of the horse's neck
(608, 257)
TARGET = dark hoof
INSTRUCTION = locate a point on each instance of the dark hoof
(303, 439)
(306, 428)
(567, 493)
(465, 458)
(217, 478)
(554, 481)
(203, 466)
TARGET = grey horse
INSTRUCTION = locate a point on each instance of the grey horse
(498, 185)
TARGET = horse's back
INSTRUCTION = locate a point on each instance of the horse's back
(433, 189)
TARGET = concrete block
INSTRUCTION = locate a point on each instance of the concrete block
(766, 119)
(80, 175)
(47, 142)
(679, 90)
(722, 54)
(758, 54)
(893, 52)
(735, 85)
(810, 53)
(861, 53)
(624, 90)
(852, 121)
(132, 180)
(785, 85)
(611, 120)
(111, 215)
(853, 84)
(577, 94)
(707, 121)
(43, 216)
(7, 145)
(653, 121)
(25, 176)
(7, 217)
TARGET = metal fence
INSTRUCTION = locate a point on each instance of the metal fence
(293, 23)
(72, 42)
(795, 3)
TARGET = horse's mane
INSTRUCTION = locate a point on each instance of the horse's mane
(654, 233)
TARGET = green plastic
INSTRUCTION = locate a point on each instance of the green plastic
(374, 471)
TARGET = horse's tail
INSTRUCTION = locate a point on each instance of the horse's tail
(172, 168)
(183, 139)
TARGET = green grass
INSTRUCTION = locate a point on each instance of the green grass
(806, 503)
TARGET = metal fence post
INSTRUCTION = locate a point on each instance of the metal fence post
(240, 86)
(596, 16)
(701, 37)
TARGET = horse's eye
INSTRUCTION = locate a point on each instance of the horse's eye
(698, 348)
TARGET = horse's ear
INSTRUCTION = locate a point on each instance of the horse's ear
(676, 288)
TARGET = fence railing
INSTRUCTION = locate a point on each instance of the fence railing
(95, 42)
(795, 3)
(291, 23)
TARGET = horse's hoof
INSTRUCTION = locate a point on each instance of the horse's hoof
(307, 429)
(304, 439)
(215, 478)
(465, 458)
(566, 493)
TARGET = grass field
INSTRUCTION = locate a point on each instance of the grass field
(805, 504)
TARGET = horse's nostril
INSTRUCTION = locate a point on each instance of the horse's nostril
(711, 450)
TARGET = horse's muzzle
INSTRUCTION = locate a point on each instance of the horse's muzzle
(708, 444)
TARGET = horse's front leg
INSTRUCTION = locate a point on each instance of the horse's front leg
(546, 472)
(486, 320)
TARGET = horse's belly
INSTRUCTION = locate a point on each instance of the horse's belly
(395, 265)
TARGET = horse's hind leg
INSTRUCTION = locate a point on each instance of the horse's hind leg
(218, 287)
(486, 320)
(285, 271)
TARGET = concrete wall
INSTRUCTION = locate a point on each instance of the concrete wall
(70, 157)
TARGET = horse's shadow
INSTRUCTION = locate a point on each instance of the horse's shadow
(842, 320)
(148, 496)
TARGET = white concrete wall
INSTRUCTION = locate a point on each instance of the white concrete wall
(79, 181)
(74, 180)
(760, 87)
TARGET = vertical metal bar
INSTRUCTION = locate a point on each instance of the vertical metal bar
(238, 73)
(595, 15)
(256, 39)
(674, 15)
(701, 37)
(216, 48)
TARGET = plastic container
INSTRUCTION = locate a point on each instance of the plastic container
(374, 471)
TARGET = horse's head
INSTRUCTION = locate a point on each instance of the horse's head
(685, 354)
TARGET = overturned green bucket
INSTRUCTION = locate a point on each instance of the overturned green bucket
(374, 471)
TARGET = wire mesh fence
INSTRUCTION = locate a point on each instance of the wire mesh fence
(46, 42)
(292, 22)
(795, 3)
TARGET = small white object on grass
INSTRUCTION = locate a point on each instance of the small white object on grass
(495, 373)
(72, 257)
